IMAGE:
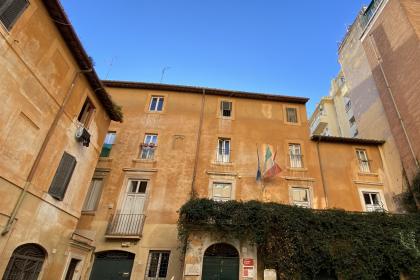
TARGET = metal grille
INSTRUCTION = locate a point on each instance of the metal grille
(10, 11)
(25, 263)
(125, 225)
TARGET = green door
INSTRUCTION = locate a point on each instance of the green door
(112, 265)
(220, 268)
(221, 262)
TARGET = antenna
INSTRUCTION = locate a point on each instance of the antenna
(163, 72)
(109, 67)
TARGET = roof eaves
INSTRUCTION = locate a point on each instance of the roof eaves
(346, 140)
(70, 37)
(209, 91)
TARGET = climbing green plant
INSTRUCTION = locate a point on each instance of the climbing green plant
(302, 243)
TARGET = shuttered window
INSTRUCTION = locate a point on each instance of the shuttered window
(62, 176)
(93, 195)
(10, 10)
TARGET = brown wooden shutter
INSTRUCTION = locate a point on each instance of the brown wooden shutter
(11, 10)
(62, 176)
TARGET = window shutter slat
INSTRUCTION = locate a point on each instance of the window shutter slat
(62, 176)
(10, 13)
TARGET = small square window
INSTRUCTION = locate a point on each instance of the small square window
(301, 197)
(11, 10)
(93, 195)
(372, 201)
(107, 146)
(156, 104)
(226, 109)
(86, 113)
(221, 191)
(291, 115)
(157, 265)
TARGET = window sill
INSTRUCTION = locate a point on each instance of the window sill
(105, 159)
(144, 160)
(371, 174)
(222, 163)
(89, 213)
(301, 169)
(291, 123)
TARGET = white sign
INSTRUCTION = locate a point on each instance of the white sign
(192, 270)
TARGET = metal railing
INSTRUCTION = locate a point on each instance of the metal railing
(125, 225)
(370, 12)
(364, 166)
(147, 151)
(375, 208)
(295, 161)
(223, 155)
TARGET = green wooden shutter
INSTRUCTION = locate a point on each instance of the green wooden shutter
(62, 176)
(11, 10)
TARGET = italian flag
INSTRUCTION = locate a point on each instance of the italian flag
(271, 168)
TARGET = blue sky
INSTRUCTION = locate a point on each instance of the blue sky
(272, 46)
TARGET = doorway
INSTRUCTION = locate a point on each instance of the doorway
(112, 265)
(221, 262)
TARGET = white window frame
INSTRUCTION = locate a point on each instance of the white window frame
(149, 260)
(158, 99)
(223, 150)
(371, 208)
(363, 161)
(148, 147)
(222, 102)
(305, 204)
(221, 198)
(295, 155)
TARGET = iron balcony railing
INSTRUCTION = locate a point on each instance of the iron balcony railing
(125, 225)
(370, 12)
(364, 166)
(148, 151)
(223, 155)
(295, 161)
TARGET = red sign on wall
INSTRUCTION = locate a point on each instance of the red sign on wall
(248, 262)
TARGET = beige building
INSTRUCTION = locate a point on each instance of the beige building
(179, 142)
(333, 115)
(55, 114)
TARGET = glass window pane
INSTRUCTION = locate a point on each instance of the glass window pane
(375, 198)
(160, 104)
(164, 261)
(153, 265)
(366, 197)
(143, 186)
(133, 186)
(153, 104)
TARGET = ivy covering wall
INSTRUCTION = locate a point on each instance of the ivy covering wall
(303, 243)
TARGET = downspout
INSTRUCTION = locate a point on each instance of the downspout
(378, 57)
(41, 151)
(197, 149)
(324, 186)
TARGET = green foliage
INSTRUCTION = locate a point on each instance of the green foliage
(416, 186)
(302, 243)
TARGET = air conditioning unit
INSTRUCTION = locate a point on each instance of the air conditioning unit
(83, 136)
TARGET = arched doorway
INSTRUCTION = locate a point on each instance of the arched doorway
(221, 262)
(112, 265)
(25, 263)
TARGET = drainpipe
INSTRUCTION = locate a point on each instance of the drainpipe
(379, 58)
(324, 186)
(203, 97)
(41, 151)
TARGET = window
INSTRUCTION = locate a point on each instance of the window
(221, 191)
(86, 113)
(156, 104)
(148, 147)
(223, 150)
(352, 121)
(92, 198)
(109, 141)
(348, 106)
(137, 186)
(295, 155)
(10, 10)
(71, 270)
(62, 176)
(363, 161)
(372, 201)
(226, 109)
(157, 265)
(301, 197)
(25, 263)
(291, 115)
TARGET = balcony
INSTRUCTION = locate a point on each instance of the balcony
(370, 12)
(125, 226)
(364, 166)
(295, 161)
(319, 123)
